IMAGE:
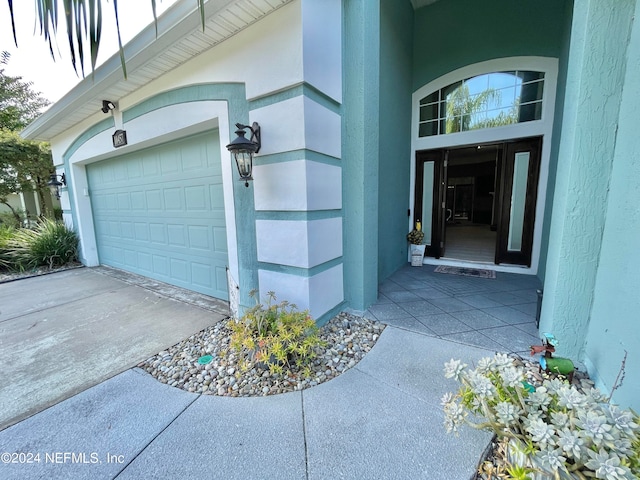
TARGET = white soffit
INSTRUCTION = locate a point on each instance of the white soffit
(180, 38)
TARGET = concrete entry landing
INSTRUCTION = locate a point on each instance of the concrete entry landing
(65, 332)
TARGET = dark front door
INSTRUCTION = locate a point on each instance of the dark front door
(431, 189)
(509, 206)
(521, 168)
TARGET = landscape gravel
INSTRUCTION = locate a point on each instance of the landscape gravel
(347, 339)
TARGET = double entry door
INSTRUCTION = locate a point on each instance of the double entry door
(498, 184)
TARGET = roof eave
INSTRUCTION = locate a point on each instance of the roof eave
(180, 19)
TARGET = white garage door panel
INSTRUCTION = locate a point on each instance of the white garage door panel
(160, 213)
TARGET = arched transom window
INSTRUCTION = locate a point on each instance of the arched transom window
(484, 101)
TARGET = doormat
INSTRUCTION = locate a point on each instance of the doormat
(467, 272)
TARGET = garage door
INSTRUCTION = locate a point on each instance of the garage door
(159, 212)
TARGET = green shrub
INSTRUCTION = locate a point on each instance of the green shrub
(50, 243)
(57, 213)
(10, 220)
(276, 335)
(6, 233)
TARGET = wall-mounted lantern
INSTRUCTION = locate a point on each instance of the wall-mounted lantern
(54, 184)
(243, 150)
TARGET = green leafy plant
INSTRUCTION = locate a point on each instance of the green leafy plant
(51, 243)
(553, 430)
(415, 237)
(276, 335)
(6, 233)
(57, 213)
(14, 219)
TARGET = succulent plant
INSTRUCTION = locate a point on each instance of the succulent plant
(415, 237)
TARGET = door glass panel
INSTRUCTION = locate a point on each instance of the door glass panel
(518, 198)
(429, 112)
(428, 129)
(530, 111)
(484, 101)
(427, 201)
(532, 92)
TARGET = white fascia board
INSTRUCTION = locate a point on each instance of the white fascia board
(176, 22)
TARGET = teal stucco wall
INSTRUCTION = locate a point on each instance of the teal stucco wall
(454, 33)
(360, 150)
(587, 303)
(613, 327)
(396, 46)
(556, 135)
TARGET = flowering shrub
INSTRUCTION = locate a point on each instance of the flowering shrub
(553, 431)
(276, 335)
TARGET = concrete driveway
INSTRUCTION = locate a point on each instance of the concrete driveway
(65, 332)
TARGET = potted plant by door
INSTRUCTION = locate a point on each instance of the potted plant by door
(415, 238)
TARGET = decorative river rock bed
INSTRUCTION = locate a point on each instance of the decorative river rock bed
(347, 340)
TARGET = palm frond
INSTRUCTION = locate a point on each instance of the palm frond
(120, 47)
(80, 28)
(13, 23)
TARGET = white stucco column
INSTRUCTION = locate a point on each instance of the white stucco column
(298, 174)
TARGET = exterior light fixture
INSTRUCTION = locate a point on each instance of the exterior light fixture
(243, 150)
(107, 106)
(55, 185)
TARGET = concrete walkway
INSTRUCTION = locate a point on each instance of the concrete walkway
(65, 332)
(381, 419)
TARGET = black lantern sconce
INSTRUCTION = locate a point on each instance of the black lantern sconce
(243, 150)
(55, 185)
(107, 106)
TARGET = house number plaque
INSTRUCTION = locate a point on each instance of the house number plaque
(119, 138)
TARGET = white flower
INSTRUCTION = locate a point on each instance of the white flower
(541, 432)
(571, 443)
(554, 385)
(481, 385)
(446, 399)
(533, 414)
(552, 459)
(485, 364)
(594, 426)
(512, 376)
(596, 396)
(502, 360)
(623, 446)
(539, 399)
(622, 419)
(607, 466)
(559, 419)
(507, 413)
(453, 416)
(570, 398)
(454, 369)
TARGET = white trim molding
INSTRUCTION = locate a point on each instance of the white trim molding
(153, 128)
(542, 128)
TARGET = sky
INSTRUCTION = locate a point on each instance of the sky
(32, 60)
